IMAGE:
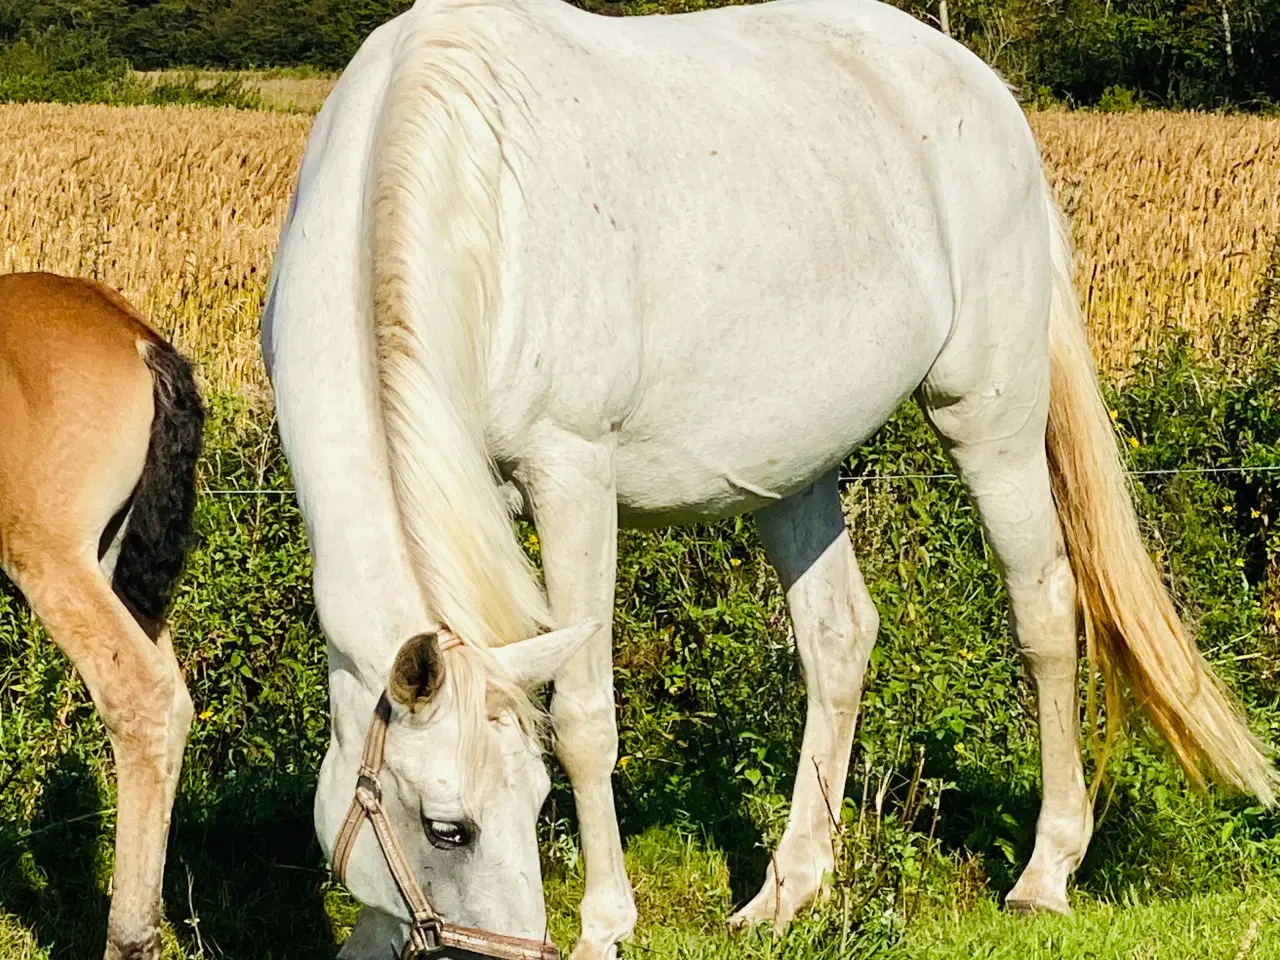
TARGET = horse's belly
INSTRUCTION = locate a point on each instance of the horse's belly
(705, 450)
(662, 481)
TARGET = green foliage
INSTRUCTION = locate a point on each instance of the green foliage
(1232, 924)
(943, 791)
(1175, 53)
(225, 33)
(66, 66)
(1117, 99)
(188, 90)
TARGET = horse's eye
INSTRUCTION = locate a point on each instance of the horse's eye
(448, 836)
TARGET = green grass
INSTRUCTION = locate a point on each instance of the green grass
(1229, 925)
(683, 889)
(711, 707)
(1233, 925)
(683, 892)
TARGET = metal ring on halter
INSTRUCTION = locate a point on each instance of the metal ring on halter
(426, 937)
(428, 934)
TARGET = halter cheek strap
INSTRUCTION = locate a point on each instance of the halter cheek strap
(428, 934)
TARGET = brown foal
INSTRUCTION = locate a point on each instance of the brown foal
(102, 425)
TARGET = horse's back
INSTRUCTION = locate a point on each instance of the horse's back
(755, 221)
(53, 324)
(737, 237)
(76, 403)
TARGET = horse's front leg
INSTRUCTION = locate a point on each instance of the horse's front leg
(574, 506)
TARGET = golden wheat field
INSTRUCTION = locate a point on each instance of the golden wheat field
(178, 208)
(1175, 218)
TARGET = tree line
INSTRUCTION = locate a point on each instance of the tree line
(1114, 53)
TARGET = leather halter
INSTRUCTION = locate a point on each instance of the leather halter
(428, 934)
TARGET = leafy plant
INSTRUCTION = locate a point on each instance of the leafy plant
(943, 789)
(67, 66)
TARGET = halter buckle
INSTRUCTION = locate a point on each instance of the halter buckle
(426, 939)
(368, 790)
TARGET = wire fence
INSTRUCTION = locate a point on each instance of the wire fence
(848, 479)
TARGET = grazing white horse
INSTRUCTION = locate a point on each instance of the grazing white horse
(644, 271)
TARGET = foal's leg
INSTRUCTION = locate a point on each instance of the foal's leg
(140, 694)
(996, 440)
(835, 625)
(576, 513)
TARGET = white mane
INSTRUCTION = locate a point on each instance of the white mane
(434, 243)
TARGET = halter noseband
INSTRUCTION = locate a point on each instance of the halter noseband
(428, 934)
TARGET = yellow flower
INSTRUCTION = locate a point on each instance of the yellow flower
(1228, 508)
(1255, 513)
(735, 562)
(533, 540)
(1133, 442)
(1115, 414)
(206, 714)
(622, 762)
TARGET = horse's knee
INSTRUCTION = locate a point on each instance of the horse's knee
(835, 646)
(866, 620)
(586, 732)
(183, 711)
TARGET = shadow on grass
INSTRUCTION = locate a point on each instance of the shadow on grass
(245, 877)
(49, 866)
(716, 820)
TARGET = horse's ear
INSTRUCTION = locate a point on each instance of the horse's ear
(418, 672)
(538, 659)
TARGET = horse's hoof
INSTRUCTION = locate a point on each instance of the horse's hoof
(590, 951)
(1027, 906)
(756, 915)
(148, 948)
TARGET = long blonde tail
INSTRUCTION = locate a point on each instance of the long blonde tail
(1131, 627)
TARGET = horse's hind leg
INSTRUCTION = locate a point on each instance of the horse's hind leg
(99, 412)
(139, 692)
(992, 423)
(835, 625)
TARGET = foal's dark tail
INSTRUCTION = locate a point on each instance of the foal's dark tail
(158, 533)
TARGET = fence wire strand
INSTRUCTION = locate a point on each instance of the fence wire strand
(850, 479)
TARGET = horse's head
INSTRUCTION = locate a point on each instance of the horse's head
(452, 782)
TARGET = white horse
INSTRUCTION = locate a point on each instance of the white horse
(644, 271)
